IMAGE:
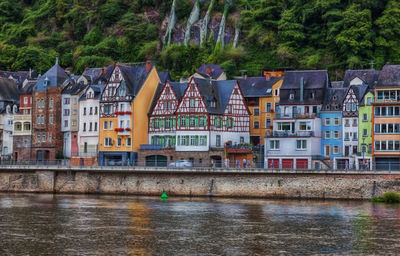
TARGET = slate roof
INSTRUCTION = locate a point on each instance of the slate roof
(97, 89)
(333, 100)
(216, 71)
(93, 74)
(105, 75)
(257, 86)
(178, 88)
(19, 76)
(134, 76)
(368, 76)
(56, 77)
(28, 88)
(220, 91)
(361, 102)
(315, 82)
(73, 88)
(8, 90)
(164, 76)
(359, 90)
(389, 76)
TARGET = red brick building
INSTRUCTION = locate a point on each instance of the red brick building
(47, 138)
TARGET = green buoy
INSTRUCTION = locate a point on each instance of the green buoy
(164, 195)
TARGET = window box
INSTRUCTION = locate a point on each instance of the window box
(127, 129)
(119, 129)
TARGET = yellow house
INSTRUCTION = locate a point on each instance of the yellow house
(262, 97)
(124, 105)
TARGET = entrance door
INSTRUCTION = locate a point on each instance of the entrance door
(346, 150)
(39, 155)
(15, 156)
(327, 147)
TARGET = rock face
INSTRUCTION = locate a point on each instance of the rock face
(202, 183)
(198, 30)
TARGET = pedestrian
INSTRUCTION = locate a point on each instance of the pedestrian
(244, 163)
(128, 161)
(272, 164)
(237, 164)
(212, 163)
(346, 165)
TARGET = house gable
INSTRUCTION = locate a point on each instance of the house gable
(167, 102)
(192, 101)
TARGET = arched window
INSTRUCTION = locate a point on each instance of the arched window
(27, 126)
(15, 109)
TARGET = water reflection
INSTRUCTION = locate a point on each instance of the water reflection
(118, 225)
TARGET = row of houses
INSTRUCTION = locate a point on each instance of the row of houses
(134, 115)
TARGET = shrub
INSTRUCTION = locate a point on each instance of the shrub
(389, 197)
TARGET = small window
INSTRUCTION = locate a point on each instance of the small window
(119, 142)
(256, 112)
(128, 142)
(256, 125)
(291, 96)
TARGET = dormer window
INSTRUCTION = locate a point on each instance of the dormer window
(291, 96)
(8, 109)
(46, 81)
(334, 97)
(312, 95)
(213, 104)
(327, 107)
(15, 109)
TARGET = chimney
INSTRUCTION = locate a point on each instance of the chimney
(301, 88)
(208, 71)
(56, 59)
(148, 66)
(30, 73)
(267, 76)
(105, 70)
(86, 68)
(245, 76)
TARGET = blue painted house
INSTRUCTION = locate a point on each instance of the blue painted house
(331, 126)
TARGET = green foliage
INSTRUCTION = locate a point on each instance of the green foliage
(388, 197)
(302, 34)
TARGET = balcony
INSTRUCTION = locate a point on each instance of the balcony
(279, 115)
(155, 147)
(238, 149)
(290, 134)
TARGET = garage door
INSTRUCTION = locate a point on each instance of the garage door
(287, 163)
(387, 164)
(273, 163)
(301, 163)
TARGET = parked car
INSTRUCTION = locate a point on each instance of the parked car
(181, 164)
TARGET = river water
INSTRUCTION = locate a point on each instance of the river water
(124, 225)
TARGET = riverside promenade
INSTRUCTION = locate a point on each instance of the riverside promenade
(212, 182)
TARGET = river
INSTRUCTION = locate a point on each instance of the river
(39, 224)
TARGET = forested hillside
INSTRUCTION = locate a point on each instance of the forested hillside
(300, 34)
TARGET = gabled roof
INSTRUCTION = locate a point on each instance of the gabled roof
(55, 76)
(257, 86)
(315, 82)
(333, 100)
(134, 76)
(368, 76)
(28, 88)
(313, 79)
(164, 76)
(359, 90)
(8, 90)
(97, 89)
(92, 74)
(369, 90)
(389, 76)
(73, 88)
(105, 75)
(178, 88)
(220, 91)
(215, 71)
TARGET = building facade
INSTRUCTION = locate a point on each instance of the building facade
(296, 138)
(386, 119)
(23, 124)
(365, 130)
(124, 105)
(9, 100)
(200, 121)
(47, 137)
(331, 123)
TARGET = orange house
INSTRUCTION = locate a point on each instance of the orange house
(386, 120)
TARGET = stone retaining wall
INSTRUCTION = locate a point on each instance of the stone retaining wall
(151, 182)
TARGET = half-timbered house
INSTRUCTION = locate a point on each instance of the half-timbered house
(124, 104)
(195, 120)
